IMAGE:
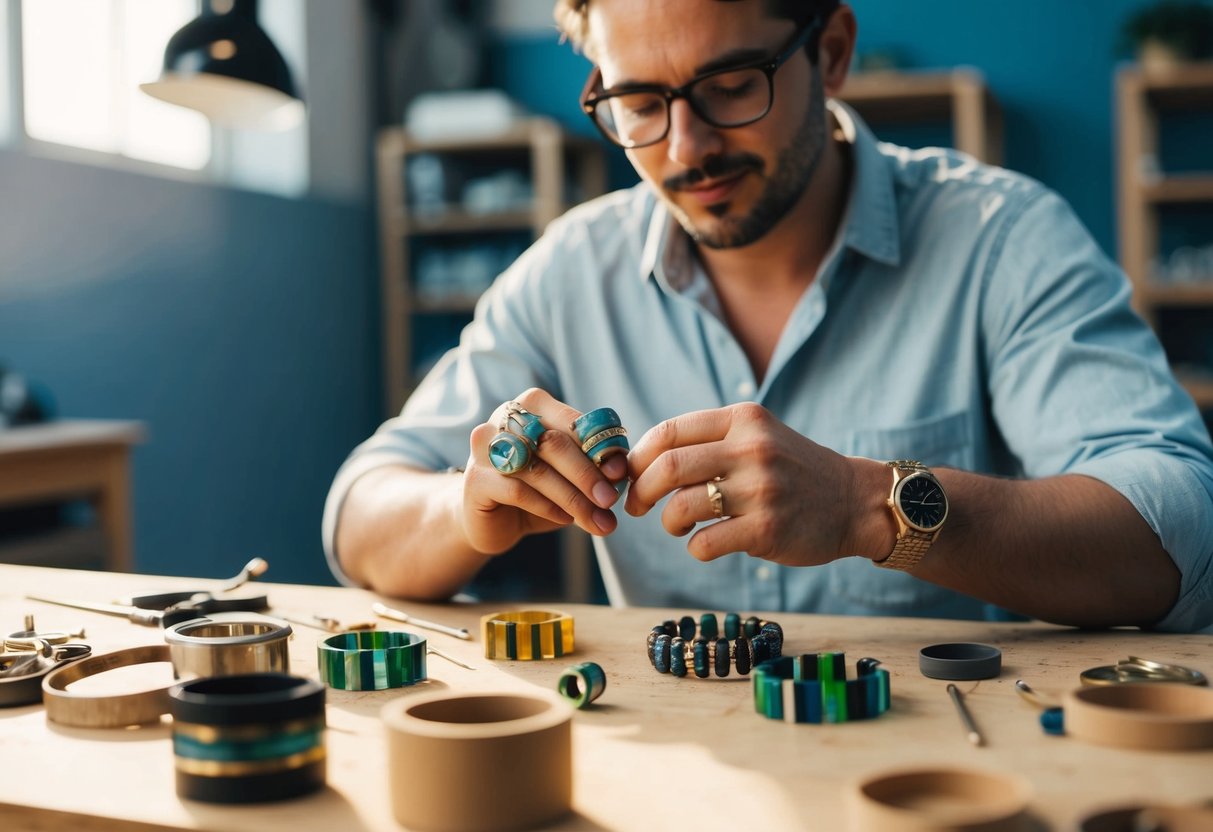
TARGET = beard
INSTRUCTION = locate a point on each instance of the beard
(794, 169)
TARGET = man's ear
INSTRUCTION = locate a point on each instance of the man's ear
(835, 47)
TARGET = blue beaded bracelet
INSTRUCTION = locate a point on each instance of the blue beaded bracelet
(673, 647)
(814, 688)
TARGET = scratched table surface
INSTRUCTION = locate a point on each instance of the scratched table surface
(654, 752)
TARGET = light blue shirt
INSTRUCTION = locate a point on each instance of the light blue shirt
(964, 318)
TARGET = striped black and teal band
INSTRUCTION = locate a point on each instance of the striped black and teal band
(582, 683)
(674, 647)
(371, 660)
(814, 688)
(248, 738)
(527, 634)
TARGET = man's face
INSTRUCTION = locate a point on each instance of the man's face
(727, 187)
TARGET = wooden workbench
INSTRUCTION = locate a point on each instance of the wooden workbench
(75, 458)
(654, 752)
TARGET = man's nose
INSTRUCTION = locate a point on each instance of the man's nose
(691, 139)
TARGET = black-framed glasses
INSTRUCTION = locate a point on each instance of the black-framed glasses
(735, 96)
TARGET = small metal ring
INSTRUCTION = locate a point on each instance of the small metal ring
(716, 496)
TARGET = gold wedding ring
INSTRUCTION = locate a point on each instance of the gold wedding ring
(716, 497)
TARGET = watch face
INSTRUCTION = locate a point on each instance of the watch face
(922, 501)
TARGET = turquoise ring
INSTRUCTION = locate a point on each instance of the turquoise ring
(601, 434)
(510, 453)
(582, 683)
(514, 448)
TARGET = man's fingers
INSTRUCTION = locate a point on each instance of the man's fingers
(693, 428)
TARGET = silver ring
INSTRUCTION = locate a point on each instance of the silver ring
(715, 497)
(228, 644)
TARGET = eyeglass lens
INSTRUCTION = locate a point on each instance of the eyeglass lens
(726, 99)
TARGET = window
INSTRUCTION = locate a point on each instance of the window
(82, 62)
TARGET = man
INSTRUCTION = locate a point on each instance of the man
(780, 312)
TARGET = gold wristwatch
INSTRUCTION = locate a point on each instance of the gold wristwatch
(919, 507)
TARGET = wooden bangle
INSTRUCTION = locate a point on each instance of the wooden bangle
(527, 634)
(916, 799)
(1146, 715)
(513, 750)
(109, 711)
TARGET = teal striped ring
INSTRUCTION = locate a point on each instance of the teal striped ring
(582, 683)
(601, 434)
(513, 449)
(371, 660)
(814, 688)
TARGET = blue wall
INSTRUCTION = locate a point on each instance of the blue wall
(241, 328)
(1051, 65)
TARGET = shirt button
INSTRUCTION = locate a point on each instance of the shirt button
(746, 388)
(763, 573)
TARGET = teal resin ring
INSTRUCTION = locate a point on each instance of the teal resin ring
(514, 448)
(371, 660)
(582, 683)
(601, 434)
(814, 688)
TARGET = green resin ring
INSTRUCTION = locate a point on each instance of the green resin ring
(601, 434)
(514, 448)
(582, 683)
(814, 688)
(371, 660)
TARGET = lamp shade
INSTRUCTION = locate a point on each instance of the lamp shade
(226, 67)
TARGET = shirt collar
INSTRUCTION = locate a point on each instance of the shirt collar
(871, 217)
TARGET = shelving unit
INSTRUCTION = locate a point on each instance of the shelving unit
(1142, 97)
(549, 159)
(959, 95)
(559, 169)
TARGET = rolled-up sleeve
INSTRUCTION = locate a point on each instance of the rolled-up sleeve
(1080, 385)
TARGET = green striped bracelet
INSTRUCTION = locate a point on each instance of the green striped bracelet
(814, 688)
(527, 634)
(371, 660)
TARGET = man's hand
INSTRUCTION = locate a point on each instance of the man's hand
(561, 486)
(784, 498)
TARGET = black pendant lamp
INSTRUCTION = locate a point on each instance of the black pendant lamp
(226, 67)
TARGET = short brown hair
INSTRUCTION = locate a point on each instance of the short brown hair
(573, 18)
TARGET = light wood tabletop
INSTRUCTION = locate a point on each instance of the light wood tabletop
(653, 752)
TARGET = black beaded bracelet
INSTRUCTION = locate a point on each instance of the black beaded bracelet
(673, 647)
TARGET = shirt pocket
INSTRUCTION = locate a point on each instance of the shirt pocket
(936, 442)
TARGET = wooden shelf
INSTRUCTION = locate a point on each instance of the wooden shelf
(1177, 88)
(537, 148)
(461, 222)
(1179, 189)
(455, 304)
(1141, 96)
(1178, 294)
(1200, 388)
(960, 95)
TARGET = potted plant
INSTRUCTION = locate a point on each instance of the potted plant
(1168, 32)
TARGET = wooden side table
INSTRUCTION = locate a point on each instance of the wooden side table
(69, 459)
